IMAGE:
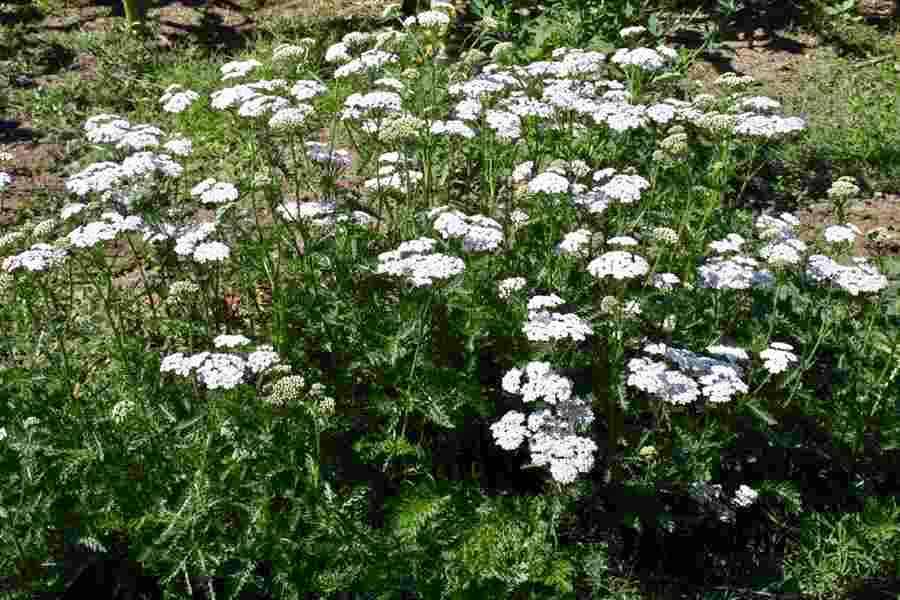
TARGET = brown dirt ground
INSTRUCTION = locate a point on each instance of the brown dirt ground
(779, 64)
(878, 218)
(776, 62)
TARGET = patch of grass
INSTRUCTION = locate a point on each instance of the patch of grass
(853, 129)
(835, 551)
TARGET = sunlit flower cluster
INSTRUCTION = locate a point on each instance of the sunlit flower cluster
(694, 376)
(552, 431)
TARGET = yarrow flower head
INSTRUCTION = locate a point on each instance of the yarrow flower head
(736, 273)
(415, 261)
(843, 188)
(506, 287)
(619, 265)
(841, 234)
(624, 188)
(211, 191)
(696, 375)
(216, 370)
(548, 182)
(646, 59)
(207, 252)
(478, 233)
(91, 234)
(778, 357)
(230, 341)
(290, 117)
(551, 429)
(238, 68)
(576, 243)
(862, 277)
(548, 326)
(745, 495)
(768, 126)
(40, 257)
(176, 99)
(635, 31)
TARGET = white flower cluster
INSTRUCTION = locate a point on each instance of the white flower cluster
(148, 164)
(778, 357)
(429, 19)
(374, 104)
(841, 234)
(293, 52)
(615, 187)
(226, 340)
(211, 191)
(863, 277)
(294, 210)
(759, 104)
(5, 180)
(452, 128)
(506, 287)
(505, 125)
(477, 232)
(211, 252)
(179, 146)
(192, 241)
(216, 370)
(717, 379)
(546, 325)
(290, 118)
(576, 243)
(238, 68)
(745, 495)
(391, 83)
(551, 430)
(646, 59)
(784, 247)
(325, 154)
(734, 273)
(40, 257)
(368, 61)
(767, 127)
(111, 225)
(306, 89)
(548, 182)
(619, 265)
(731, 243)
(113, 129)
(415, 261)
(176, 99)
(261, 105)
(632, 32)
(734, 81)
(843, 188)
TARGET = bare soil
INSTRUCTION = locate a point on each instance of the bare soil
(878, 218)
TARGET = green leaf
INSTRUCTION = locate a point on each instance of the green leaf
(188, 422)
(761, 414)
(560, 575)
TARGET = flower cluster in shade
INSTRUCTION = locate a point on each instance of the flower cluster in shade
(547, 325)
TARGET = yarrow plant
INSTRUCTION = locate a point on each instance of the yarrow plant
(326, 230)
